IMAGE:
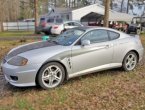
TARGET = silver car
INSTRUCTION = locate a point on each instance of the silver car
(76, 52)
(62, 27)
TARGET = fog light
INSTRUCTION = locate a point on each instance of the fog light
(14, 78)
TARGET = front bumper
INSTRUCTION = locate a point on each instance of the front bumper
(25, 75)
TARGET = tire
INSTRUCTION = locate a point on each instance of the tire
(51, 75)
(138, 31)
(63, 31)
(130, 61)
(46, 33)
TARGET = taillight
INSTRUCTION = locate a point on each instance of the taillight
(43, 24)
(55, 27)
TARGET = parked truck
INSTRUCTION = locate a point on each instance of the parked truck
(137, 25)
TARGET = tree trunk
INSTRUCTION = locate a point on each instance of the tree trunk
(127, 6)
(69, 3)
(106, 15)
(1, 27)
(36, 14)
(111, 4)
(122, 5)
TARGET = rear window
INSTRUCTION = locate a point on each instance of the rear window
(50, 20)
(59, 20)
(113, 35)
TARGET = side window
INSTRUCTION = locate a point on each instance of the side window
(96, 36)
(68, 24)
(76, 24)
(113, 35)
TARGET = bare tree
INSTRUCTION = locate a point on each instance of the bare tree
(128, 6)
(122, 5)
(111, 4)
(106, 15)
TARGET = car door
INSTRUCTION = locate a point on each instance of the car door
(97, 55)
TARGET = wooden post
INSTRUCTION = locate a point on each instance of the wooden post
(27, 26)
(1, 27)
(18, 25)
(7, 26)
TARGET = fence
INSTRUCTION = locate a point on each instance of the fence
(18, 26)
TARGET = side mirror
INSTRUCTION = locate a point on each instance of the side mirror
(85, 42)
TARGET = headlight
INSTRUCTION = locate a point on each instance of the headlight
(18, 61)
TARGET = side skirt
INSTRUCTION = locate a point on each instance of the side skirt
(95, 69)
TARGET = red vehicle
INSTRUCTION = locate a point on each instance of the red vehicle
(122, 26)
(119, 25)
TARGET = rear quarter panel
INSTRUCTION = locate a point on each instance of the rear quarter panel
(122, 46)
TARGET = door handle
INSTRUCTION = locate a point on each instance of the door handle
(100, 47)
(109, 45)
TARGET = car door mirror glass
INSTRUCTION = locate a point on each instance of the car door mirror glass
(85, 42)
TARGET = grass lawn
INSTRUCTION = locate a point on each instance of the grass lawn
(106, 90)
(16, 34)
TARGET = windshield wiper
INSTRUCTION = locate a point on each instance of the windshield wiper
(55, 42)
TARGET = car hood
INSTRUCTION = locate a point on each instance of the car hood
(28, 47)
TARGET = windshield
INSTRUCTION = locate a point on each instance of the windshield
(42, 20)
(68, 37)
(50, 20)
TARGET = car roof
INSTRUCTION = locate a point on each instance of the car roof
(85, 28)
(72, 21)
(89, 28)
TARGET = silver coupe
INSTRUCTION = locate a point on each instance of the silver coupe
(76, 52)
